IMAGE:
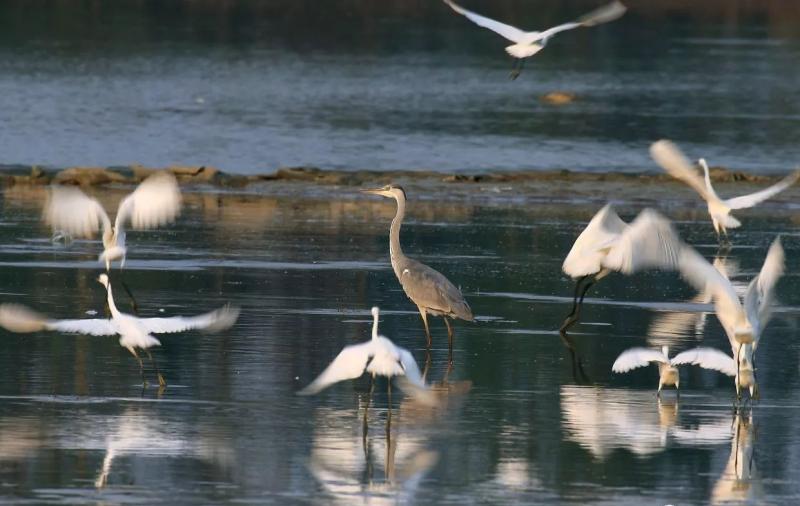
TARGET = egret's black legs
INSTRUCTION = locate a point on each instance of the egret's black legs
(578, 374)
(364, 425)
(161, 382)
(134, 306)
(577, 301)
(389, 413)
(516, 69)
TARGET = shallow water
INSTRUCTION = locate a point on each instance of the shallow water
(250, 86)
(515, 421)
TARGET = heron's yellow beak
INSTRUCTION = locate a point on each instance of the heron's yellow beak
(375, 191)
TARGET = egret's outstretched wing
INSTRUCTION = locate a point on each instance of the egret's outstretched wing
(509, 32)
(155, 202)
(213, 321)
(410, 368)
(348, 364)
(18, 318)
(757, 197)
(592, 244)
(758, 297)
(637, 357)
(70, 210)
(604, 14)
(649, 242)
(557, 29)
(703, 276)
(672, 160)
(707, 358)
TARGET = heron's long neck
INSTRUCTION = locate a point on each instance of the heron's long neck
(394, 233)
(111, 306)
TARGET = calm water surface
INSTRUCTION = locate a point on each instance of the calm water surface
(515, 422)
(250, 86)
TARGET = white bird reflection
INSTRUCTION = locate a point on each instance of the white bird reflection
(739, 482)
(603, 419)
(348, 464)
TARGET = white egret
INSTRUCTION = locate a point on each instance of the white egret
(668, 374)
(135, 333)
(529, 43)
(609, 244)
(378, 356)
(155, 202)
(672, 160)
(743, 321)
(427, 288)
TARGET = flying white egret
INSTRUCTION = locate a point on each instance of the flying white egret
(668, 374)
(427, 288)
(743, 321)
(155, 202)
(135, 333)
(378, 356)
(609, 244)
(672, 160)
(529, 43)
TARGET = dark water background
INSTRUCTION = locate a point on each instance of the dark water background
(248, 86)
(515, 425)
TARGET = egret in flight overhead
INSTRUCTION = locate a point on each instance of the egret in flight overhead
(743, 321)
(672, 160)
(668, 374)
(609, 244)
(527, 44)
(155, 202)
(378, 356)
(135, 333)
(427, 288)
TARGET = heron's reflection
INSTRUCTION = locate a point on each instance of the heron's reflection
(739, 482)
(373, 470)
(602, 419)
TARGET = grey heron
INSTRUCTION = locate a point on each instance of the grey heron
(526, 44)
(135, 333)
(427, 288)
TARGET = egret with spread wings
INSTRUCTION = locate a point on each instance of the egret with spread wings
(708, 358)
(675, 163)
(427, 288)
(609, 244)
(135, 333)
(527, 44)
(155, 202)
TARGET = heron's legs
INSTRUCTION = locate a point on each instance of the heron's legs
(141, 365)
(658, 394)
(425, 322)
(427, 364)
(161, 382)
(577, 301)
(134, 306)
(449, 339)
(516, 68)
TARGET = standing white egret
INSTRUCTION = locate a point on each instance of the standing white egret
(378, 356)
(672, 160)
(609, 244)
(427, 288)
(668, 374)
(155, 202)
(743, 321)
(527, 44)
(135, 333)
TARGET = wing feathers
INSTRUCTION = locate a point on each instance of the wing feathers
(637, 357)
(707, 358)
(509, 32)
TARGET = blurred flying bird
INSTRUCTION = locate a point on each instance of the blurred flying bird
(743, 321)
(672, 160)
(668, 374)
(428, 289)
(609, 244)
(529, 43)
(155, 202)
(135, 333)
